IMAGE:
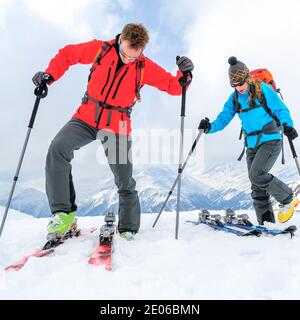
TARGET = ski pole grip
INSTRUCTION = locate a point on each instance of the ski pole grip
(41, 91)
(293, 148)
(184, 80)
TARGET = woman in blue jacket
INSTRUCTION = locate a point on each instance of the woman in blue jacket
(262, 114)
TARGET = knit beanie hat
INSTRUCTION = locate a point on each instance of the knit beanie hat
(238, 71)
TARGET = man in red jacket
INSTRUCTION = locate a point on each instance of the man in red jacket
(119, 70)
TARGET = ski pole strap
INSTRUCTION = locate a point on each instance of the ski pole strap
(109, 107)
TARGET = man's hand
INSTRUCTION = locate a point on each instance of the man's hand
(205, 125)
(290, 132)
(41, 78)
(185, 64)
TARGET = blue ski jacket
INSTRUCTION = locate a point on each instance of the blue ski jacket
(255, 119)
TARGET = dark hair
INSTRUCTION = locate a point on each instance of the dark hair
(136, 34)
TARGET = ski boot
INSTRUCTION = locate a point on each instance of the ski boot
(127, 235)
(286, 211)
(61, 227)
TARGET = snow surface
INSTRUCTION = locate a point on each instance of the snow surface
(202, 264)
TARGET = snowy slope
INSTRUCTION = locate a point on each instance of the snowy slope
(202, 264)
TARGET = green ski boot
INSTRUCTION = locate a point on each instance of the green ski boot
(61, 224)
(127, 235)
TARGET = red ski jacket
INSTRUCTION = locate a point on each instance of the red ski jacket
(117, 89)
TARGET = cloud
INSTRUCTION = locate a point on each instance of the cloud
(4, 6)
(258, 32)
(75, 17)
(125, 4)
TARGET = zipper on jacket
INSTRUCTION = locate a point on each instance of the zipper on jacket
(108, 77)
(121, 79)
(107, 95)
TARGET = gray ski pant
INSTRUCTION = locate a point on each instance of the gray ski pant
(59, 184)
(263, 184)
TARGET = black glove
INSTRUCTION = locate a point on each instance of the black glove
(290, 132)
(205, 125)
(41, 78)
(185, 64)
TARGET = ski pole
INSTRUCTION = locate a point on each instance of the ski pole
(176, 180)
(183, 103)
(40, 93)
(294, 154)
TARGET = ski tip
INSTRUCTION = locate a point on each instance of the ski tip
(291, 230)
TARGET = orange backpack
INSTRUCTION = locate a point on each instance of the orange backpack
(264, 75)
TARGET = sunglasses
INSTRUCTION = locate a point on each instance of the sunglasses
(124, 55)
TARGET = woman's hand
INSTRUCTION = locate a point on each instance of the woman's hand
(290, 132)
(205, 125)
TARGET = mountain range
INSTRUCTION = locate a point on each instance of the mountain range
(215, 188)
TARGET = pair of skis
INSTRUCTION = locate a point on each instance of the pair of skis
(231, 222)
(101, 256)
(242, 221)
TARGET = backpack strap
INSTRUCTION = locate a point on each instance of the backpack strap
(99, 56)
(140, 66)
(99, 104)
(264, 103)
(276, 119)
(138, 80)
(236, 103)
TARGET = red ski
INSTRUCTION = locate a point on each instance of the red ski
(20, 264)
(102, 256)
(46, 251)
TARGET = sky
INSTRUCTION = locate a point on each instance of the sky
(261, 33)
